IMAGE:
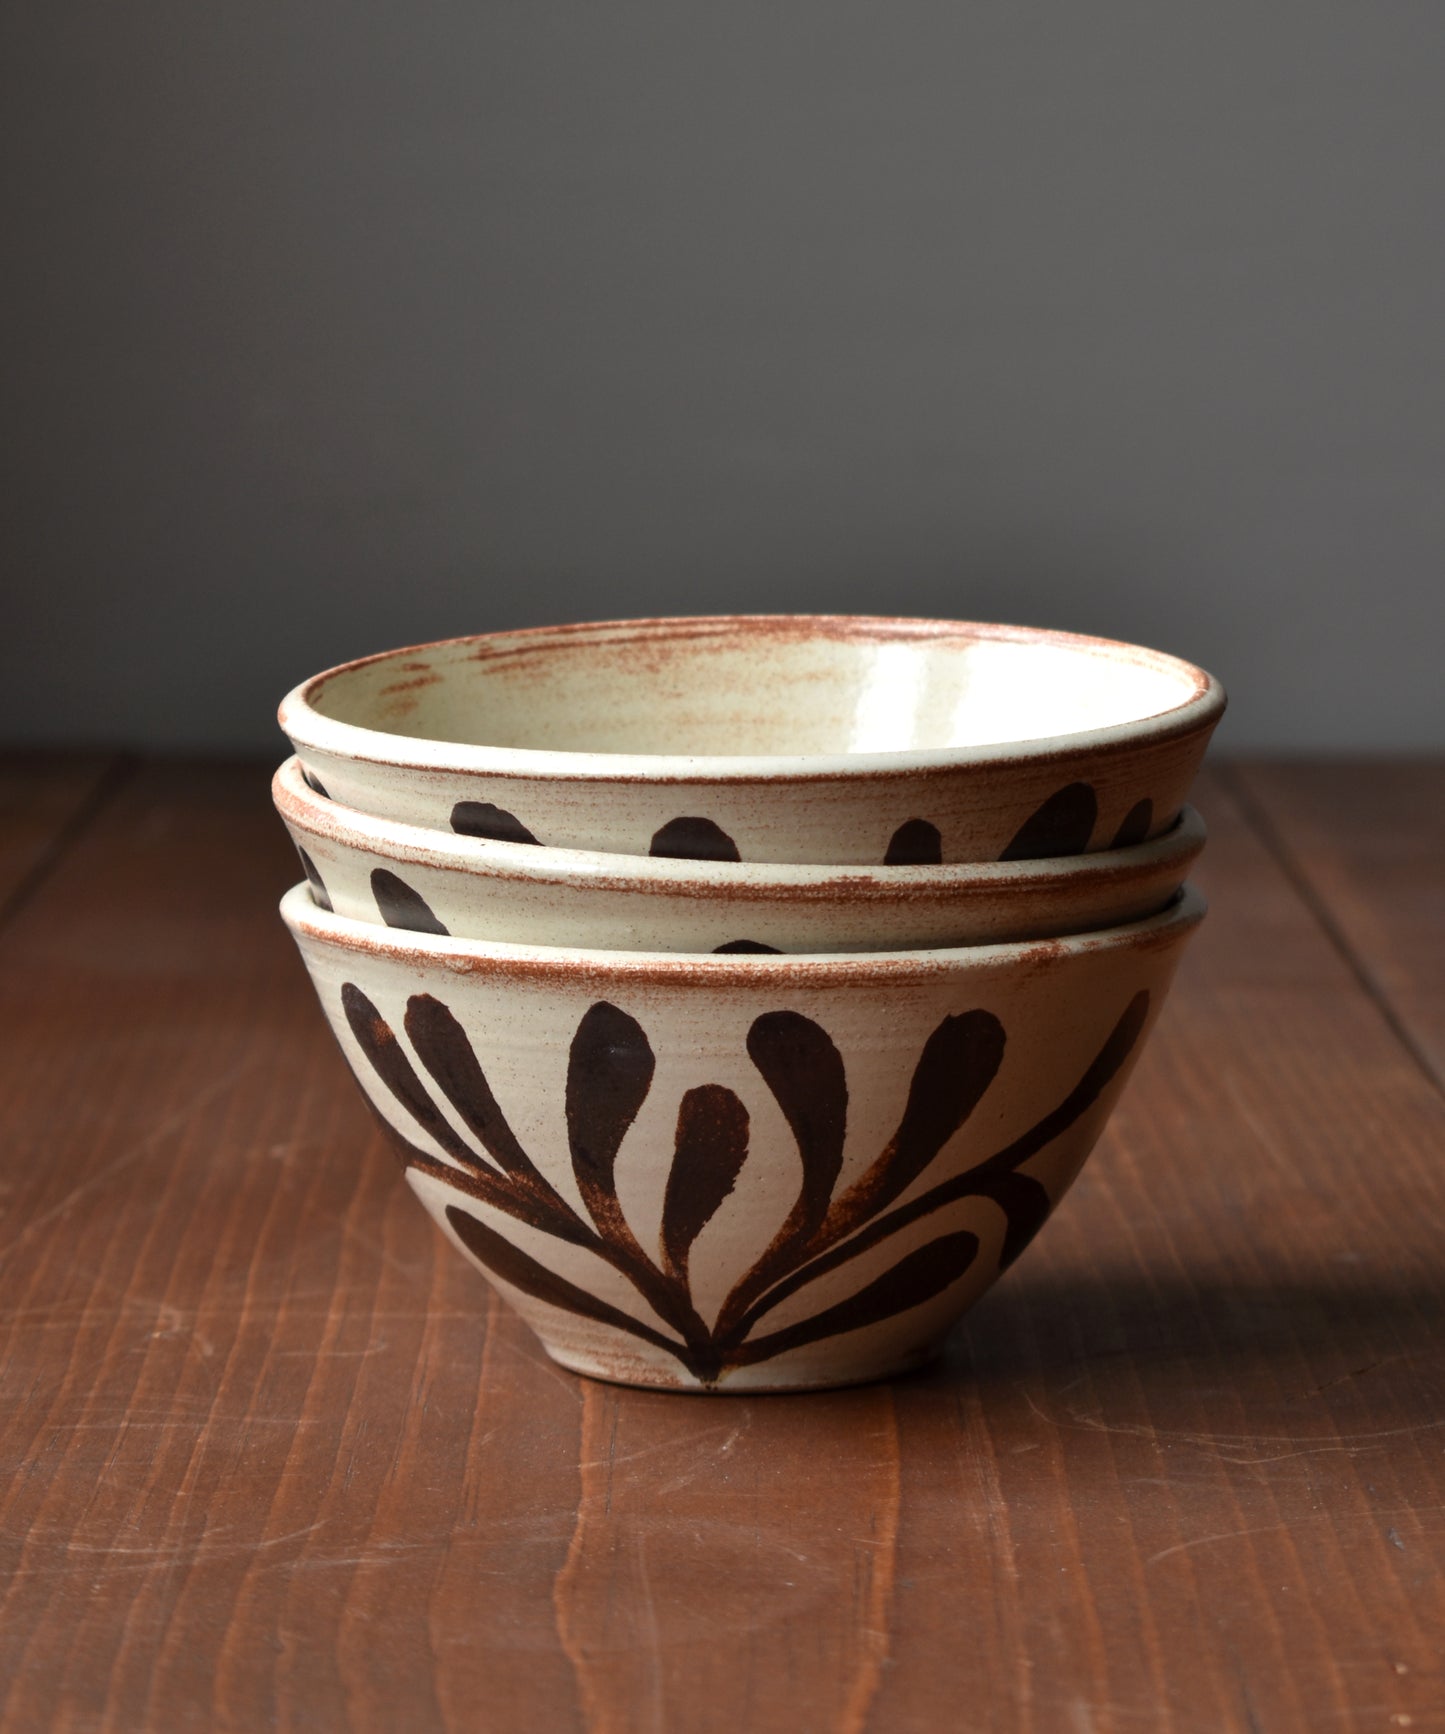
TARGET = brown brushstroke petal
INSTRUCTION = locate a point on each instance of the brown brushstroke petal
(1118, 1046)
(1063, 825)
(1134, 826)
(1025, 1204)
(320, 896)
(609, 1072)
(958, 1063)
(314, 783)
(915, 843)
(408, 1155)
(712, 1145)
(402, 907)
(521, 1271)
(489, 1188)
(377, 1040)
(749, 947)
(442, 1046)
(482, 819)
(694, 840)
(916, 1278)
(805, 1073)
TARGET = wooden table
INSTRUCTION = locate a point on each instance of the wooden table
(273, 1457)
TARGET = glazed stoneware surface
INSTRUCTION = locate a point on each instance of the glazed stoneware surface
(725, 1173)
(843, 740)
(422, 881)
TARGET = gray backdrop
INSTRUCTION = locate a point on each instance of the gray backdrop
(331, 327)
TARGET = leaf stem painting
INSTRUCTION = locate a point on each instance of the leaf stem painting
(609, 1073)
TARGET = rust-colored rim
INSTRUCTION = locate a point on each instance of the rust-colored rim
(310, 816)
(565, 966)
(1198, 711)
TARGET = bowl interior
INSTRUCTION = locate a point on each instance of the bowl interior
(764, 685)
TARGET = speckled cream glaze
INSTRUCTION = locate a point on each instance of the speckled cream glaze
(726, 1174)
(407, 877)
(807, 739)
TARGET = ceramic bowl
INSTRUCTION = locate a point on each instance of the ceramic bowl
(840, 740)
(718, 1173)
(423, 881)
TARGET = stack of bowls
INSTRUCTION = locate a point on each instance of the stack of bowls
(741, 994)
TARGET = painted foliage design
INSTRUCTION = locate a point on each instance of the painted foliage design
(609, 1074)
(1062, 825)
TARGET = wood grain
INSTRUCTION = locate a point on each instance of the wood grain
(733, 1560)
(1213, 1403)
(274, 1459)
(1365, 842)
(43, 797)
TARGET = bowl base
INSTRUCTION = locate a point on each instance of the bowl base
(640, 1374)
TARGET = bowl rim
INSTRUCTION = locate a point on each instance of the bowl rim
(308, 729)
(319, 816)
(567, 965)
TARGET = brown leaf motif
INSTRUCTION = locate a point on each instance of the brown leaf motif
(610, 1071)
(400, 906)
(484, 819)
(1061, 826)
